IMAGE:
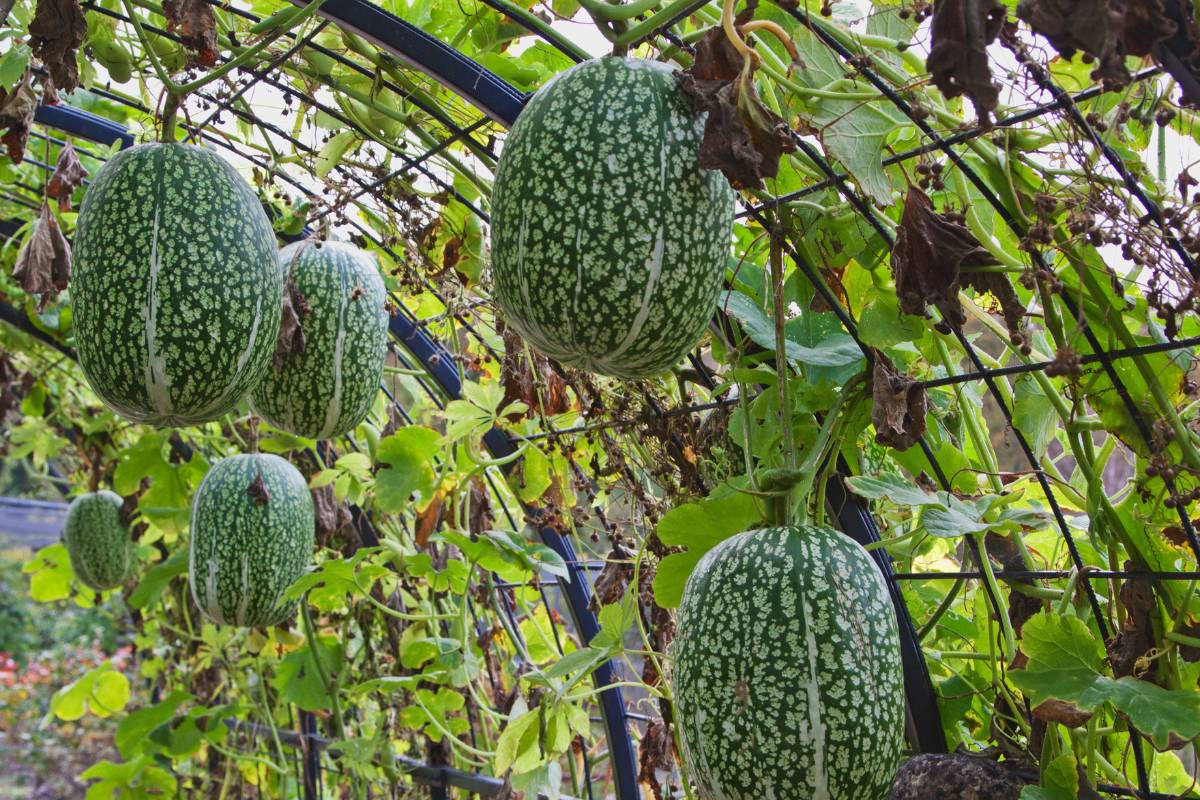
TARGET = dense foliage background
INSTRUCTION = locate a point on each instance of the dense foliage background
(1048, 232)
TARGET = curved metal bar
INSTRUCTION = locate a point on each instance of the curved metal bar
(491, 94)
(83, 123)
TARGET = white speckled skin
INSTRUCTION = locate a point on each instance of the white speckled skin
(176, 292)
(98, 541)
(329, 388)
(609, 241)
(242, 553)
(786, 670)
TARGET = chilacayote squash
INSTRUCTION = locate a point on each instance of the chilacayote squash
(252, 532)
(176, 292)
(609, 240)
(328, 388)
(786, 670)
(99, 543)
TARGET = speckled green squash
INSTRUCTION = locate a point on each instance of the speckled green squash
(608, 239)
(98, 541)
(244, 552)
(176, 290)
(328, 389)
(786, 669)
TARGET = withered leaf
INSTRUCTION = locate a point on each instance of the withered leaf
(531, 379)
(1136, 637)
(612, 581)
(57, 30)
(427, 520)
(654, 756)
(958, 61)
(742, 137)
(44, 264)
(68, 176)
(929, 252)
(258, 491)
(1106, 30)
(998, 285)
(716, 58)
(900, 405)
(332, 517)
(193, 21)
(16, 115)
(1065, 713)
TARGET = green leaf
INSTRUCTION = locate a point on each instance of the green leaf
(102, 691)
(855, 133)
(899, 490)
(333, 151)
(408, 456)
(1155, 711)
(700, 527)
(299, 679)
(157, 578)
(959, 519)
(12, 66)
(836, 349)
(517, 737)
(137, 725)
(1033, 414)
(883, 325)
(1064, 662)
(50, 573)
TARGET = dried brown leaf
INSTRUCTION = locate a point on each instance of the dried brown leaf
(427, 520)
(68, 176)
(899, 410)
(44, 264)
(332, 517)
(479, 520)
(1136, 637)
(55, 33)
(742, 137)
(654, 756)
(1065, 713)
(531, 379)
(958, 61)
(929, 253)
(193, 21)
(16, 115)
(1106, 30)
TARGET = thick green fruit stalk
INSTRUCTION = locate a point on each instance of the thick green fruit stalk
(327, 389)
(609, 241)
(98, 541)
(786, 670)
(176, 289)
(252, 532)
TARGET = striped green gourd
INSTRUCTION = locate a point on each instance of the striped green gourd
(328, 389)
(98, 541)
(786, 670)
(249, 540)
(176, 293)
(609, 240)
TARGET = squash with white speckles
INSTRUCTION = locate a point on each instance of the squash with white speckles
(176, 292)
(609, 241)
(327, 389)
(786, 670)
(252, 533)
(98, 541)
